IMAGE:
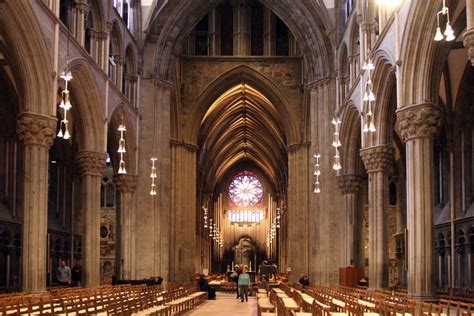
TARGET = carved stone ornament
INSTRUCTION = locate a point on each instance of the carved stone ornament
(125, 182)
(349, 183)
(36, 129)
(91, 162)
(420, 120)
(377, 158)
(469, 44)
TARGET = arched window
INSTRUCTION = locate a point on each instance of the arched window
(245, 190)
(123, 9)
(65, 12)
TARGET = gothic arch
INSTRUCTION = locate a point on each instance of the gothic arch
(235, 76)
(315, 45)
(28, 57)
(384, 90)
(421, 73)
(350, 138)
(89, 119)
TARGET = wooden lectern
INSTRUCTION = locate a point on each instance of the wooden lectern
(350, 276)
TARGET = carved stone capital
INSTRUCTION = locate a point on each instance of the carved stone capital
(350, 183)
(125, 183)
(91, 162)
(420, 120)
(36, 129)
(469, 44)
(377, 158)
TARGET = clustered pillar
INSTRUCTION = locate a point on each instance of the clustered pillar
(37, 132)
(126, 184)
(378, 161)
(91, 165)
(469, 34)
(418, 125)
(349, 185)
(298, 212)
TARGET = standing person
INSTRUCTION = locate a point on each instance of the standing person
(64, 273)
(76, 274)
(244, 282)
(235, 278)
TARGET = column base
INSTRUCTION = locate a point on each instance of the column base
(431, 298)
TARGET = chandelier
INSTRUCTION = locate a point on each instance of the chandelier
(153, 176)
(205, 216)
(317, 173)
(369, 97)
(448, 32)
(336, 144)
(121, 148)
(65, 103)
(211, 228)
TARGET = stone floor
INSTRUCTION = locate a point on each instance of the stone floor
(226, 304)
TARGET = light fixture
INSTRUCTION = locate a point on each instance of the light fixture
(65, 103)
(211, 230)
(121, 148)
(205, 216)
(336, 144)
(369, 97)
(153, 176)
(65, 98)
(317, 173)
(448, 32)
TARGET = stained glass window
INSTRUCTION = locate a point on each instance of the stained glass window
(245, 190)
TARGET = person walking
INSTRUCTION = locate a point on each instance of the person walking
(235, 278)
(244, 282)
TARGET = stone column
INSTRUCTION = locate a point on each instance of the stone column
(378, 161)
(79, 18)
(298, 209)
(367, 39)
(183, 208)
(349, 185)
(214, 33)
(37, 132)
(103, 50)
(418, 125)
(119, 60)
(91, 165)
(269, 33)
(126, 184)
(241, 28)
(469, 34)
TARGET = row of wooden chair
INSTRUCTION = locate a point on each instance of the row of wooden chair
(110, 300)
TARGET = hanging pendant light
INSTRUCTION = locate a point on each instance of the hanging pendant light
(121, 148)
(336, 144)
(153, 176)
(65, 98)
(317, 173)
(448, 32)
(368, 97)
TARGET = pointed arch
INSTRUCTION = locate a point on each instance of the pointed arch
(28, 56)
(233, 77)
(88, 116)
(350, 138)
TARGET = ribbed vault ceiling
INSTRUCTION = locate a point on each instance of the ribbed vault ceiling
(242, 125)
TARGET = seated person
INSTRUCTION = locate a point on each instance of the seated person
(204, 287)
(263, 283)
(304, 281)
